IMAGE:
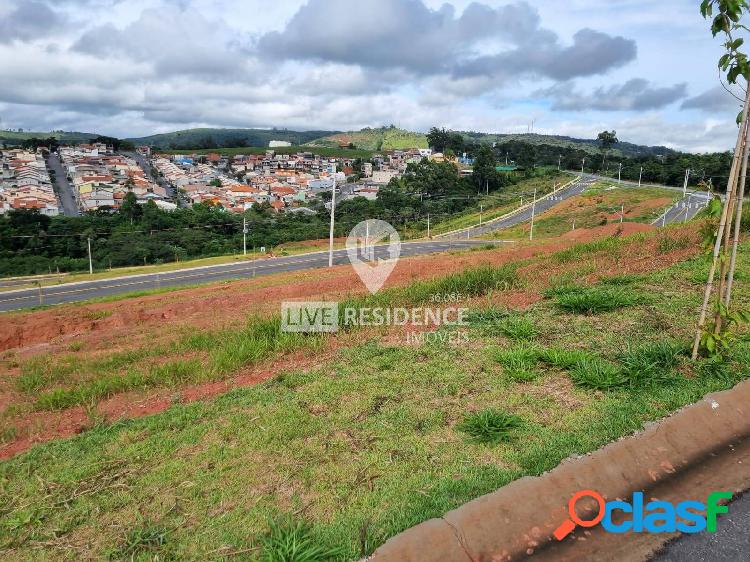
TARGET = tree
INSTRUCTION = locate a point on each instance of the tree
(216, 182)
(607, 139)
(715, 337)
(485, 175)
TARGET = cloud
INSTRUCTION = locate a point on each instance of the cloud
(483, 41)
(715, 100)
(28, 20)
(634, 95)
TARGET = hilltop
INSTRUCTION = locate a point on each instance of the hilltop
(16, 137)
(217, 138)
(381, 138)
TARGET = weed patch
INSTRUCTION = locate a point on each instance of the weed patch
(597, 374)
(594, 300)
(489, 427)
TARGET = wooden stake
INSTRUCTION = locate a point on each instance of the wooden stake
(731, 183)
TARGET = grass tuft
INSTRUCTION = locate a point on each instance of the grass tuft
(651, 363)
(290, 541)
(594, 300)
(596, 374)
(147, 539)
(518, 328)
(489, 427)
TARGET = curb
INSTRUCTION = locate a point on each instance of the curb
(518, 520)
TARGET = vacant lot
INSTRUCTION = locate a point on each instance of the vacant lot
(342, 442)
(602, 204)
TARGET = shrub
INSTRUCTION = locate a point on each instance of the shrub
(489, 427)
(597, 374)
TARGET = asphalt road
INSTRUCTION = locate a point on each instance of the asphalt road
(64, 189)
(524, 215)
(730, 542)
(72, 292)
(146, 167)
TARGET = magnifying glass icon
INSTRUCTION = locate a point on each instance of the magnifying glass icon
(568, 525)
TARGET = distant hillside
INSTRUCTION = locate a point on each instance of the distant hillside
(383, 138)
(387, 138)
(219, 138)
(14, 137)
(589, 145)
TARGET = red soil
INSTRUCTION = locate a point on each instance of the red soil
(99, 329)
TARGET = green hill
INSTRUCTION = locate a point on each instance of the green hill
(589, 145)
(222, 138)
(382, 138)
(15, 137)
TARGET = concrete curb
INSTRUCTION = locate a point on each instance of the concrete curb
(518, 520)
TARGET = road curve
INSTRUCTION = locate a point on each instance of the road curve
(84, 290)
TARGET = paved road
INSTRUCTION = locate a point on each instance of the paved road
(730, 542)
(684, 210)
(146, 166)
(72, 292)
(524, 215)
(64, 189)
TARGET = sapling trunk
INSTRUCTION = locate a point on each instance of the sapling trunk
(739, 150)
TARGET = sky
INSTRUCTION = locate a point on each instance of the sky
(130, 68)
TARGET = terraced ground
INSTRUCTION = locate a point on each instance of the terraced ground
(255, 438)
(374, 139)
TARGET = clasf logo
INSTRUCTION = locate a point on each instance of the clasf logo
(653, 517)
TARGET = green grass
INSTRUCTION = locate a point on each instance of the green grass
(292, 541)
(595, 300)
(345, 454)
(489, 427)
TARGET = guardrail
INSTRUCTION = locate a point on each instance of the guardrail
(510, 213)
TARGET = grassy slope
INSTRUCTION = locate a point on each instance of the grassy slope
(320, 150)
(365, 446)
(596, 206)
(495, 205)
(375, 139)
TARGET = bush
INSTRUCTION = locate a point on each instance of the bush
(489, 427)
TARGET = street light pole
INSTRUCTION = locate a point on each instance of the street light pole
(619, 174)
(91, 263)
(244, 236)
(481, 208)
(583, 163)
(333, 215)
(533, 212)
(687, 179)
(640, 175)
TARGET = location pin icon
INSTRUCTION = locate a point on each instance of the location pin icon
(373, 247)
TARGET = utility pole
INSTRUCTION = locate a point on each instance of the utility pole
(583, 163)
(333, 215)
(619, 174)
(640, 175)
(91, 263)
(622, 213)
(533, 212)
(481, 208)
(428, 226)
(244, 236)
(687, 178)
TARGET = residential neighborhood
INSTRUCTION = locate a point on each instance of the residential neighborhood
(100, 178)
(285, 181)
(25, 183)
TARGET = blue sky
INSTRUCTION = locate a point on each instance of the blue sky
(129, 68)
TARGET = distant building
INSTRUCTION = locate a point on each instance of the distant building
(276, 144)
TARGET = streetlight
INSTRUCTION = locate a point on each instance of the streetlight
(583, 162)
(333, 215)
